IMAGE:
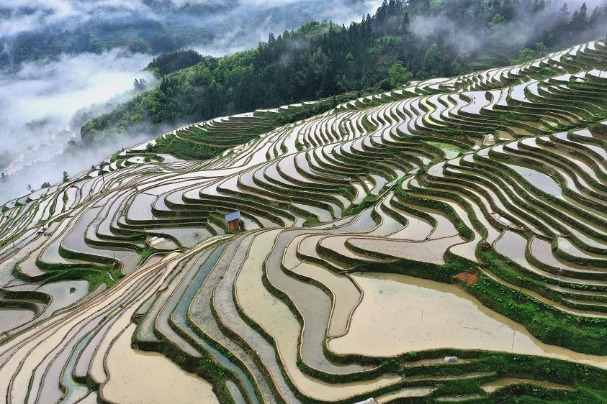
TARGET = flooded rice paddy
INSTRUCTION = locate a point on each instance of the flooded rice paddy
(401, 314)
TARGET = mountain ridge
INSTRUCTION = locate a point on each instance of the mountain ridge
(401, 41)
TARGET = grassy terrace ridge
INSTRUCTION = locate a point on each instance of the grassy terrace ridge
(379, 234)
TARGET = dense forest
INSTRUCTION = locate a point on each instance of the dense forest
(403, 40)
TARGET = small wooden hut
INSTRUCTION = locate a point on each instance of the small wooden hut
(234, 221)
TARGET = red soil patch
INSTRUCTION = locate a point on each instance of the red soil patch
(467, 277)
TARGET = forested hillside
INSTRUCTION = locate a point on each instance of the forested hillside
(403, 40)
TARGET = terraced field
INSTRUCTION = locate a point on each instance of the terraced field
(453, 217)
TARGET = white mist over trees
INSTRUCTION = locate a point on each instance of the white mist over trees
(402, 40)
(60, 56)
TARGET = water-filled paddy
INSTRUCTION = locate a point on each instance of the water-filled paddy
(400, 314)
(538, 179)
(13, 318)
(149, 377)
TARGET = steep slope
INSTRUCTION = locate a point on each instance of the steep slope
(402, 40)
(461, 216)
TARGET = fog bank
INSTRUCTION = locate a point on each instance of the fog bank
(60, 56)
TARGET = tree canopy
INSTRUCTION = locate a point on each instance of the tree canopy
(402, 40)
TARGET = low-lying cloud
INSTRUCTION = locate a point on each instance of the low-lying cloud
(37, 103)
(38, 98)
(524, 28)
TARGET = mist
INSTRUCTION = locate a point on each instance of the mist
(38, 102)
(58, 57)
(520, 32)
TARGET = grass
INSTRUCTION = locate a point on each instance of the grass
(108, 276)
(146, 253)
(542, 320)
(447, 147)
(207, 145)
(367, 202)
(369, 127)
(311, 221)
(549, 325)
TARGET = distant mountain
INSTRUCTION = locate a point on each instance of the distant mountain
(43, 31)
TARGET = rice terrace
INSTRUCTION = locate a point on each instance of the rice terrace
(443, 241)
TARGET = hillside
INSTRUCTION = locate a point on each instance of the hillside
(44, 31)
(461, 217)
(401, 41)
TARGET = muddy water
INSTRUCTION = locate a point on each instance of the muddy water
(276, 318)
(571, 249)
(338, 244)
(513, 246)
(417, 229)
(64, 293)
(186, 236)
(33, 346)
(404, 394)
(360, 193)
(307, 246)
(13, 318)
(345, 295)
(466, 250)
(542, 250)
(401, 314)
(427, 251)
(140, 207)
(149, 377)
(388, 224)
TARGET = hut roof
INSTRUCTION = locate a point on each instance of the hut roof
(232, 216)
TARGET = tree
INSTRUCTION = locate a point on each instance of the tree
(527, 55)
(564, 13)
(349, 58)
(140, 85)
(398, 74)
(66, 176)
(432, 60)
(579, 20)
(498, 27)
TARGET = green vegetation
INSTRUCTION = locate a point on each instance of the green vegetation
(528, 55)
(581, 334)
(367, 202)
(138, 33)
(369, 127)
(398, 74)
(311, 221)
(199, 143)
(173, 61)
(249, 310)
(146, 253)
(95, 277)
(320, 60)
(448, 147)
